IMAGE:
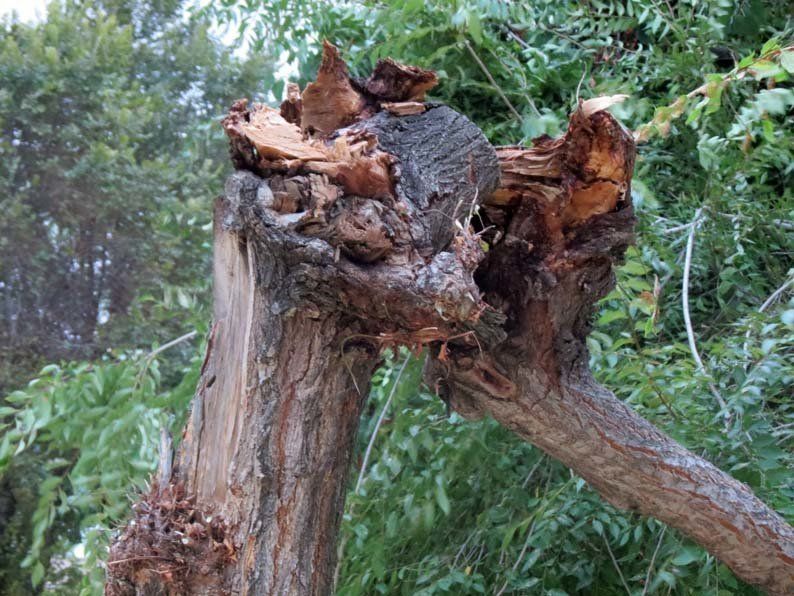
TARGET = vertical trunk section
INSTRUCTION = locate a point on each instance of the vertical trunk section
(274, 421)
(265, 455)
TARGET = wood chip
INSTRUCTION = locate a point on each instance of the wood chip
(403, 108)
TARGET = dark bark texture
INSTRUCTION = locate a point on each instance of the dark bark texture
(364, 228)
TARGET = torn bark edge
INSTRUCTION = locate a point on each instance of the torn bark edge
(171, 544)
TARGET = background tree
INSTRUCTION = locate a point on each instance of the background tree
(108, 160)
(107, 150)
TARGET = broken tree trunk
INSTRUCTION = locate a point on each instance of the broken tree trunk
(357, 221)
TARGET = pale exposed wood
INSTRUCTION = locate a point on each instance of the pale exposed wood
(403, 108)
(275, 138)
(352, 159)
(599, 104)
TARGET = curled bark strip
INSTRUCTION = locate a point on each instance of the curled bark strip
(403, 108)
(395, 82)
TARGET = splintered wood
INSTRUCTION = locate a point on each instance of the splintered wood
(335, 100)
(310, 132)
(330, 102)
(268, 144)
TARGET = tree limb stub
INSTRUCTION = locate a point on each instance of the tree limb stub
(362, 217)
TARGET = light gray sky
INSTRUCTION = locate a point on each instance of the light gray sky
(28, 10)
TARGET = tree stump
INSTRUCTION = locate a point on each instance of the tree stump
(362, 217)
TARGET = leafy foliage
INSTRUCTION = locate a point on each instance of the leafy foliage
(96, 427)
(108, 162)
(450, 507)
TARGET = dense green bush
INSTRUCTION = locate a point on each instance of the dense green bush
(445, 506)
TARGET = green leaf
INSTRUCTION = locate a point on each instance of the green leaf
(442, 499)
(687, 555)
(37, 574)
(475, 26)
(787, 61)
(770, 46)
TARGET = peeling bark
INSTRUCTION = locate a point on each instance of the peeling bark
(363, 228)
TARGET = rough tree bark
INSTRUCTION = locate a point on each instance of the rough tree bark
(357, 220)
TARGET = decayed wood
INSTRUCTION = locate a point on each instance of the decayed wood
(330, 102)
(292, 106)
(356, 222)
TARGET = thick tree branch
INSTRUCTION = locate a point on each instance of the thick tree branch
(564, 229)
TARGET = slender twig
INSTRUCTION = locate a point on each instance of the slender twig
(775, 295)
(517, 38)
(778, 223)
(463, 546)
(527, 46)
(382, 415)
(532, 472)
(520, 557)
(340, 552)
(526, 95)
(681, 228)
(615, 563)
(653, 559)
(491, 80)
(579, 87)
(690, 333)
(562, 35)
(670, 23)
(139, 558)
(766, 304)
(151, 355)
(172, 343)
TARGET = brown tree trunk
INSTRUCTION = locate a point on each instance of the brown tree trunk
(267, 448)
(364, 228)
